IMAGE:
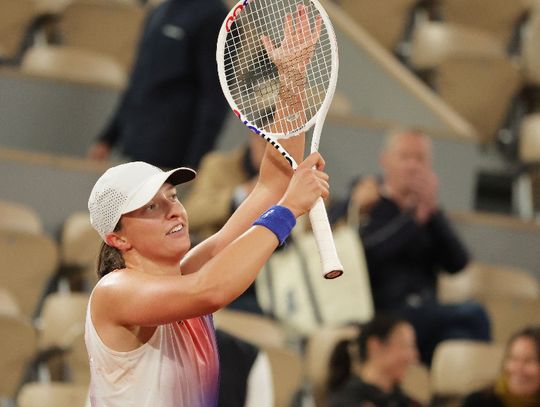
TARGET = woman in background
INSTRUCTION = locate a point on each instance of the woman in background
(518, 385)
(385, 347)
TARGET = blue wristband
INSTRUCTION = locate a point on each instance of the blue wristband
(278, 219)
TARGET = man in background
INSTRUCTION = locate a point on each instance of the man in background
(408, 240)
(173, 109)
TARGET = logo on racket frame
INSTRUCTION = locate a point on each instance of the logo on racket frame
(264, 136)
(234, 14)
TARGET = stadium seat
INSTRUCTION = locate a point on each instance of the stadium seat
(28, 262)
(53, 7)
(529, 140)
(15, 19)
(8, 304)
(460, 367)
(480, 281)
(79, 248)
(356, 303)
(103, 26)
(77, 361)
(18, 343)
(341, 105)
(385, 20)
(318, 351)
(287, 376)
(54, 394)
(61, 319)
(58, 6)
(302, 299)
(416, 383)
(527, 183)
(433, 42)
(21, 217)
(464, 66)
(154, 3)
(499, 17)
(530, 50)
(250, 327)
(510, 315)
(79, 242)
(73, 64)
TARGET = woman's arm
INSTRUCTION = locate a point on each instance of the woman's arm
(134, 298)
(228, 262)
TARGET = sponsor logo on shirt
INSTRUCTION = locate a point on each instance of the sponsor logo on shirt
(174, 32)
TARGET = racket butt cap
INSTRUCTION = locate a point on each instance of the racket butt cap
(333, 274)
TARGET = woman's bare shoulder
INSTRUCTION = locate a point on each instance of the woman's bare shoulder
(114, 283)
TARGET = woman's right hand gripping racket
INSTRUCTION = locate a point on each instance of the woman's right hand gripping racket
(277, 64)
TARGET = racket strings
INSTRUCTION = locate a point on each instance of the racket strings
(253, 79)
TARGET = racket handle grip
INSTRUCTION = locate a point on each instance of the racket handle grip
(331, 266)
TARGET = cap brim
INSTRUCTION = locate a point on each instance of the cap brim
(149, 188)
(180, 175)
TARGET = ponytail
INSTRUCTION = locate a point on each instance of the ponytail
(110, 258)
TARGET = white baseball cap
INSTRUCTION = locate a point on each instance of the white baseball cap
(126, 187)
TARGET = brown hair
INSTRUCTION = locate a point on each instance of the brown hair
(380, 327)
(110, 258)
(531, 332)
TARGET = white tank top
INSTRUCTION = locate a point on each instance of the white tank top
(177, 367)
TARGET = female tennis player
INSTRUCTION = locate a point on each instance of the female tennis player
(149, 331)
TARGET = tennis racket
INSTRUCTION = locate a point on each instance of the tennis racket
(278, 65)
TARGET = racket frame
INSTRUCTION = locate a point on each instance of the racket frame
(331, 265)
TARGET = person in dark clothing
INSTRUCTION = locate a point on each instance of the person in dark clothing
(245, 375)
(173, 109)
(408, 240)
(518, 385)
(385, 348)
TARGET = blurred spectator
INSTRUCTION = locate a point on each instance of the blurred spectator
(173, 109)
(245, 376)
(408, 240)
(385, 348)
(214, 197)
(364, 193)
(519, 382)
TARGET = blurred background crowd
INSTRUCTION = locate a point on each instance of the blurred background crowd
(433, 147)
